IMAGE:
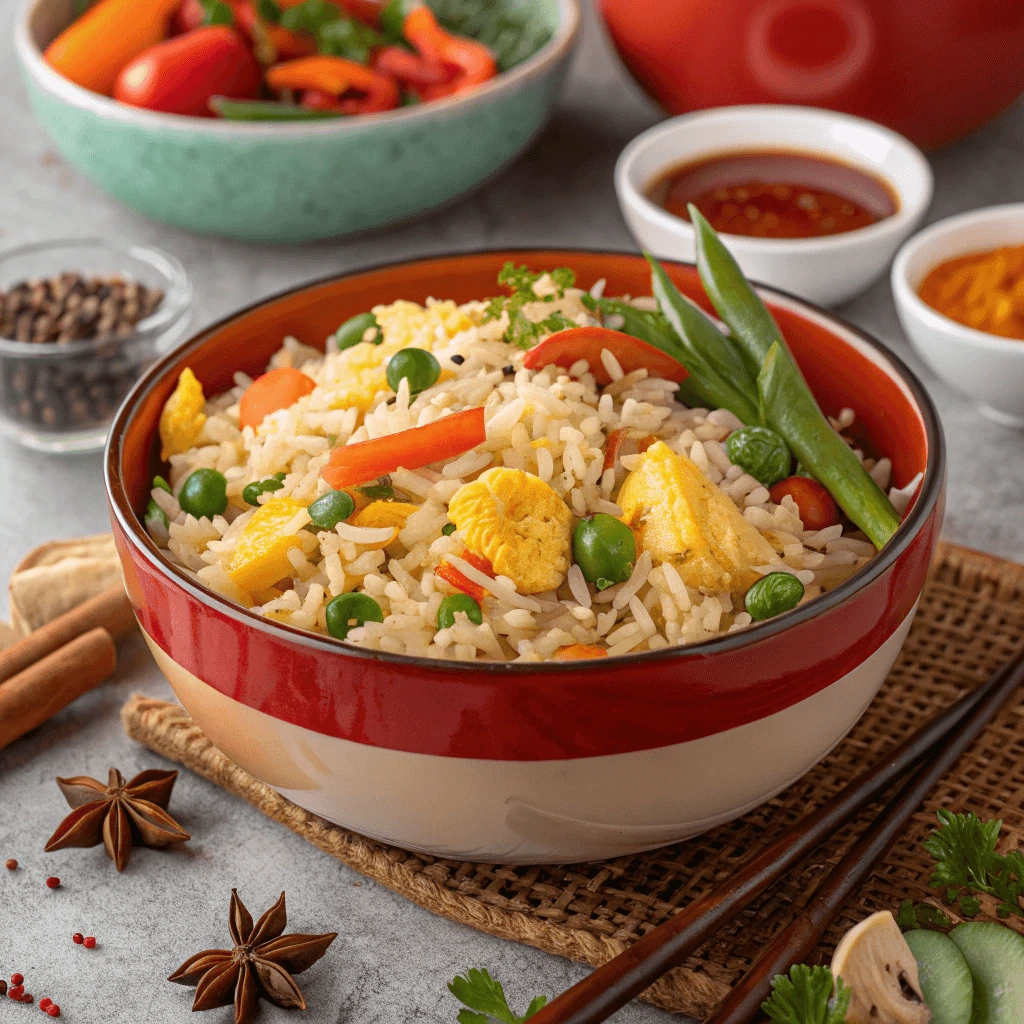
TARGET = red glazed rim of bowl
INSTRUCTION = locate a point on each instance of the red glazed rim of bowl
(924, 504)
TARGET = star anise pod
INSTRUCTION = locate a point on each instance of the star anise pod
(118, 814)
(260, 965)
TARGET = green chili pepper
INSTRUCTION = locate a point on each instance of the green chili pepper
(785, 400)
(266, 110)
(773, 594)
(718, 376)
(761, 453)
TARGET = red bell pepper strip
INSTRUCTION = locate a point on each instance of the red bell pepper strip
(354, 464)
(336, 76)
(411, 69)
(567, 347)
(367, 11)
(472, 62)
(455, 579)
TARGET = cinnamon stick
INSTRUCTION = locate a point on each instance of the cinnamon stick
(41, 690)
(110, 610)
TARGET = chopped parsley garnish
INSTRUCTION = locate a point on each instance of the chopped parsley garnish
(379, 491)
(968, 864)
(522, 331)
(485, 1002)
(806, 997)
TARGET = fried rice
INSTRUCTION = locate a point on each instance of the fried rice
(553, 424)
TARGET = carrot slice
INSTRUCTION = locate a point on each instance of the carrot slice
(353, 464)
(276, 389)
(567, 347)
(578, 652)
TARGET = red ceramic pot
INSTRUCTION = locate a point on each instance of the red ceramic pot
(510, 761)
(934, 70)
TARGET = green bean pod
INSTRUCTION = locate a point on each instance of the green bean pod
(719, 378)
(746, 316)
(792, 412)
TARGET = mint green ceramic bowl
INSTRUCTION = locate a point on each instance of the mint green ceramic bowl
(299, 181)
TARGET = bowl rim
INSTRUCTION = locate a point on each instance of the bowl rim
(898, 223)
(927, 498)
(907, 298)
(558, 47)
(177, 301)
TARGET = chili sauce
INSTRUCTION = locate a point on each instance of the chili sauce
(775, 194)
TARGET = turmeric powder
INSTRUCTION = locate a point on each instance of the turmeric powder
(983, 290)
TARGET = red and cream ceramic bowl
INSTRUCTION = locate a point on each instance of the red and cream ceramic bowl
(514, 762)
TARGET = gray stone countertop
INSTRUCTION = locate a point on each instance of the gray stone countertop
(392, 959)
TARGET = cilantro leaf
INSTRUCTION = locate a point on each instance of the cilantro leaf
(805, 997)
(511, 33)
(521, 330)
(310, 16)
(269, 10)
(524, 333)
(482, 994)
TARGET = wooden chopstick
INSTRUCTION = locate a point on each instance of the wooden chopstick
(613, 984)
(796, 942)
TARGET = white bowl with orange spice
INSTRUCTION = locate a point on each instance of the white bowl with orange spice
(959, 292)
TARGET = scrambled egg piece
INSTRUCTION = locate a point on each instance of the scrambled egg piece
(519, 523)
(182, 418)
(384, 513)
(679, 516)
(261, 556)
(359, 373)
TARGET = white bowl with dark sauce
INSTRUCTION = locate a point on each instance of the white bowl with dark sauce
(810, 201)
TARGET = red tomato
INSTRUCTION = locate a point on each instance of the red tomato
(189, 15)
(179, 75)
(817, 509)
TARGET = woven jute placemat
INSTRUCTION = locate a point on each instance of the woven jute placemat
(970, 621)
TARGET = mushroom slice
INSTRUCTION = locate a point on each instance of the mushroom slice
(876, 963)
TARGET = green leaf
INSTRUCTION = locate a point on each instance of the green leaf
(907, 916)
(348, 38)
(216, 12)
(392, 19)
(268, 10)
(377, 492)
(310, 16)
(481, 993)
(806, 997)
(969, 906)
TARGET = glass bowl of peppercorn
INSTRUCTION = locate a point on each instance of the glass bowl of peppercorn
(80, 320)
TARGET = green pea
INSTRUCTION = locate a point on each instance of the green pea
(415, 364)
(352, 332)
(346, 611)
(275, 483)
(204, 493)
(605, 549)
(773, 594)
(458, 603)
(155, 516)
(162, 484)
(761, 453)
(251, 492)
(448, 529)
(331, 508)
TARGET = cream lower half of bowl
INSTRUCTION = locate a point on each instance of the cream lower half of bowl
(535, 812)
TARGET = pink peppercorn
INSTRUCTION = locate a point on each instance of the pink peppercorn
(89, 942)
(52, 882)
